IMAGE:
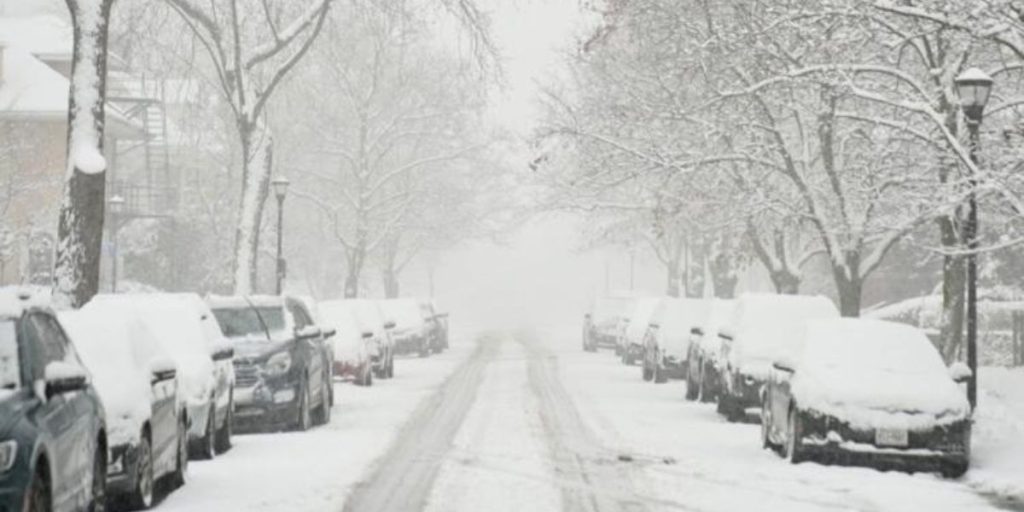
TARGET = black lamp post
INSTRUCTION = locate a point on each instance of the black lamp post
(280, 185)
(115, 205)
(973, 86)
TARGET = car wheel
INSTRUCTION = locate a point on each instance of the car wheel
(953, 469)
(660, 376)
(142, 497)
(766, 427)
(39, 497)
(181, 459)
(794, 433)
(224, 433)
(303, 417)
(692, 391)
(645, 370)
(99, 480)
(391, 366)
(206, 448)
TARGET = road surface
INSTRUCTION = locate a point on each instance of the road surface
(528, 422)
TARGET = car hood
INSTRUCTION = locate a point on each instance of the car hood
(258, 349)
(881, 399)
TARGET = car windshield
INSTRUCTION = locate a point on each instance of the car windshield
(10, 374)
(240, 323)
(273, 317)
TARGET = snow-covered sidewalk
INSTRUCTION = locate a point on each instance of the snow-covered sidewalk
(314, 471)
(998, 449)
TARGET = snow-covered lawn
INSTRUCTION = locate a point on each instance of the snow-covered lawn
(998, 450)
(715, 465)
(315, 470)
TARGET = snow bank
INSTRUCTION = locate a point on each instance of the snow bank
(349, 346)
(997, 452)
(117, 349)
(766, 328)
(876, 374)
(177, 329)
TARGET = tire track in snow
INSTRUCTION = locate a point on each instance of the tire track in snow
(403, 478)
(591, 478)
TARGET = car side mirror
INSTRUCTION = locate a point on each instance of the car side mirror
(223, 352)
(696, 331)
(367, 334)
(389, 325)
(654, 325)
(307, 333)
(725, 335)
(783, 366)
(61, 377)
(162, 369)
(329, 333)
(959, 372)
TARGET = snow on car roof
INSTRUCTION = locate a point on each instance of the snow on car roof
(676, 317)
(238, 301)
(641, 318)
(765, 327)
(117, 348)
(14, 300)
(405, 313)
(873, 372)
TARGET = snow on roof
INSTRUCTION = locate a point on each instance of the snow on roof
(876, 374)
(31, 88)
(45, 35)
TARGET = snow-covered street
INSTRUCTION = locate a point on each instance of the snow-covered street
(526, 421)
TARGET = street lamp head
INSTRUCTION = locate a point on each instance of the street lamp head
(280, 185)
(115, 204)
(973, 86)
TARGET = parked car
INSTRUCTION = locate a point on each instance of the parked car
(282, 362)
(605, 323)
(868, 392)
(763, 328)
(437, 326)
(354, 348)
(703, 376)
(631, 342)
(137, 383)
(53, 436)
(182, 326)
(371, 320)
(666, 343)
(411, 333)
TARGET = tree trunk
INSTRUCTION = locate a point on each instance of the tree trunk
(391, 284)
(672, 279)
(80, 228)
(257, 146)
(356, 257)
(849, 295)
(785, 282)
(724, 276)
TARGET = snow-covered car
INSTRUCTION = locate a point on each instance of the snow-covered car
(604, 324)
(205, 379)
(370, 318)
(437, 325)
(282, 362)
(354, 348)
(763, 329)
(53, 438)
(703, 375)
(147, 426)
(411, 333)
(631, 343)
(868, 392)
(667, 341)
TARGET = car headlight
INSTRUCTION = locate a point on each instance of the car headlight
(278, 364)
(8, 452)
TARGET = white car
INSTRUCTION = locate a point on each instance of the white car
(411, 333)
(354, 348)
(667, 342)
(147, 427)
(185, 328)
(763, 329)
(868, 392)
(631, 342)
(370, 318)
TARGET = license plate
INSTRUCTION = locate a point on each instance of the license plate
(891, 437)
